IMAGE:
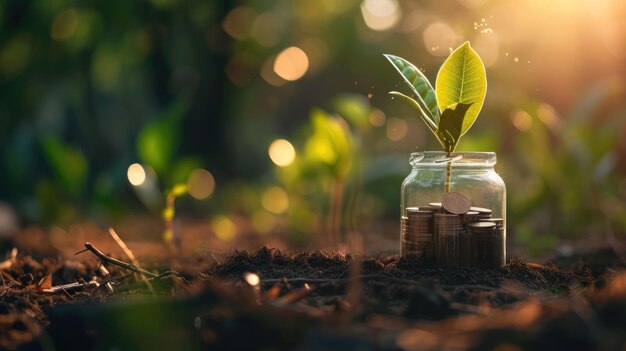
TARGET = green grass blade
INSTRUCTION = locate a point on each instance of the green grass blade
(462, 79)
(419, 84)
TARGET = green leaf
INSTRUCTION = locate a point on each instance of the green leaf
(451, 125)
(419, 84)
(178, 190)
(431, 125)
(158, 141)
(330, 144)
(69, 165)
(462, 79)
(355, 108)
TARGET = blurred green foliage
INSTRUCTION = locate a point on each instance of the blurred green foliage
(89, 88)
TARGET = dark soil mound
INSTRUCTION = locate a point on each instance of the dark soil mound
(318, 300)
(403, 286)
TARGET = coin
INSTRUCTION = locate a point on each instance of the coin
(470, 217)
(455, 202)
(482, 227)
(430, 208)
(498, 221)
(488, 247)
(417, 233)
(481, 210)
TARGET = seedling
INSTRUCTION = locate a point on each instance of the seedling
(169, 212)
(451, 109)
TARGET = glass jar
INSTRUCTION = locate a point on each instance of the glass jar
(474, 233)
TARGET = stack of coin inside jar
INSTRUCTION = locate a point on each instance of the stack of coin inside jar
(417, 233)
(453, 233)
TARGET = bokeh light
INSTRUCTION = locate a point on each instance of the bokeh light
(547, 114)
(64, 25)
(200, 184)
(439, 38)
(412, 21)
(488, 47)
(380, 15)
(263, 222)
(240, 70)
(472, 3)
(136, 174)
(396, 128)
(291, 64)
(282, 153)
(224, 228)
(317, 52)
(252, 279)
(522, 120)
(377, 118)
(267, 29)
(275, 200)
(239, 21)
(268, 74)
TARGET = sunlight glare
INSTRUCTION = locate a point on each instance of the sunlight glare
(470, 4)
(488, 47)
(438, 35)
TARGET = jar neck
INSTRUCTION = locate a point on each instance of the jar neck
(479, 161)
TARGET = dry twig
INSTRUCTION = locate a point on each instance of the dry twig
(104, 272)
(131, 256)
(122, 264)
(70, 286)
(6, 264)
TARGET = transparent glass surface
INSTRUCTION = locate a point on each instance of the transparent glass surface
(472, 174)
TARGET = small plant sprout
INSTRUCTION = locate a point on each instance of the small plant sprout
(170, 211)
(451, 108)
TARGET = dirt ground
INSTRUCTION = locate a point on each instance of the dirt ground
(271, 300)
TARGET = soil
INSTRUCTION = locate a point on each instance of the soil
(316, 301)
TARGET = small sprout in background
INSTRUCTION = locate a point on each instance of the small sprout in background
(169, 212)
(451, 108)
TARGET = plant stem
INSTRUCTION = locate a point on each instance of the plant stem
(336, 203)
(448, 174)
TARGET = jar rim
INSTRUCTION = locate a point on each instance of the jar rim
(440, 158)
